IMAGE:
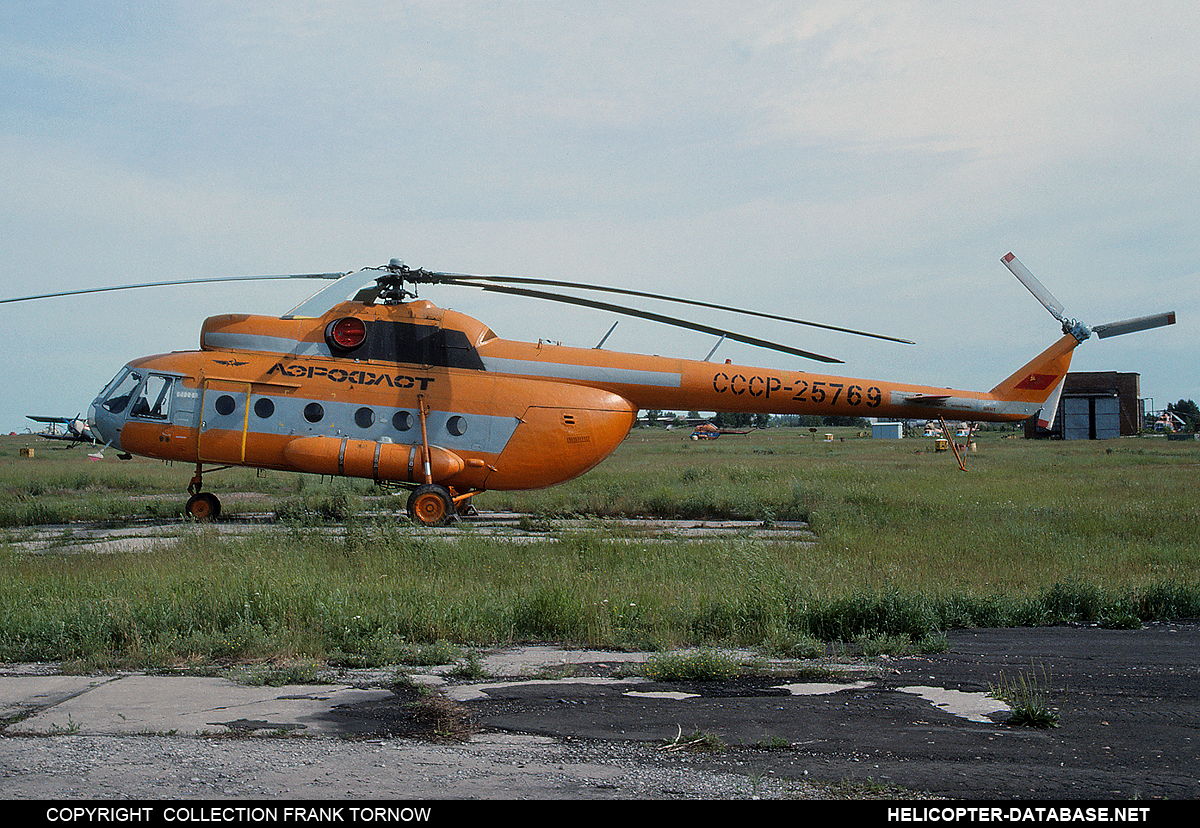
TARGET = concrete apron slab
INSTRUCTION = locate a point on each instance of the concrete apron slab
(143, 704)
(20, 696)
(974, 707)
(530, 660)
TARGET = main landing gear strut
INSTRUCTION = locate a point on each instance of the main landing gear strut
(431, 504)
(202, 506)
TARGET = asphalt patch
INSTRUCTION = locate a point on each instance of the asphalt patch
(1128, 704)
(409, 713)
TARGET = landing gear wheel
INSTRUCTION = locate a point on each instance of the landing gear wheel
(430, 505)
(204, 507)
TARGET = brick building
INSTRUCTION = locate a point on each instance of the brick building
(1095, 405)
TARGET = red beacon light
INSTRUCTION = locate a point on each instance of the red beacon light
(346, 334)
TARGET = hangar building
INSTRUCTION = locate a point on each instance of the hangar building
(1095, 405)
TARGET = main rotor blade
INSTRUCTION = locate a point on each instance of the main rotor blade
(1141, 323)
(515, 280)
(177, 282)
(654, 317)
(1035, 287)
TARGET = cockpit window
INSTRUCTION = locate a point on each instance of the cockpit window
(154, 399)
(122, 391)
(147, 396)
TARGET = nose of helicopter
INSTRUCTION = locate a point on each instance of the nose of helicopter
(94, 425)
(105, 427)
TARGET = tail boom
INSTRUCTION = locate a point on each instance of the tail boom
(673, 384)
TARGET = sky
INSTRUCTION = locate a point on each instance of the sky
(864, 164)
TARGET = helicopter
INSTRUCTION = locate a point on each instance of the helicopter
(711, 431)
(366, 380)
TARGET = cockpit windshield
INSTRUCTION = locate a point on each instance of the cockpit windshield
(133, 395)
(343, 289)
(117, 395)
(150, 393)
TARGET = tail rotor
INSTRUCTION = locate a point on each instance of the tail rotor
(1073, 326)
(1032, 377)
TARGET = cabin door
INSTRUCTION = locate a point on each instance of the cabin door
(224, 417)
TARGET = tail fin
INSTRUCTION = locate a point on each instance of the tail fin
(1041, 379)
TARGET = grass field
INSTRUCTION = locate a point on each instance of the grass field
(909, 546)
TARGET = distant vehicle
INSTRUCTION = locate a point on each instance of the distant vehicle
(72, 429)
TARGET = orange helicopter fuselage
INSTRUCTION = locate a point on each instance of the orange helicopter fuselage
(412, 393)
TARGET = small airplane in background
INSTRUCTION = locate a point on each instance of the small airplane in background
(72, 429)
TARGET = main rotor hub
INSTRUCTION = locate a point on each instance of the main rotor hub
(391, 290)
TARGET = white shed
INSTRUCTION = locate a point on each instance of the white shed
(887, 431)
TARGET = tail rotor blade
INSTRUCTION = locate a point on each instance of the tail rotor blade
(1141, 323)
(1035, 287)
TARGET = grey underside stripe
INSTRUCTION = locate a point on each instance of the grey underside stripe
(966, 405)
